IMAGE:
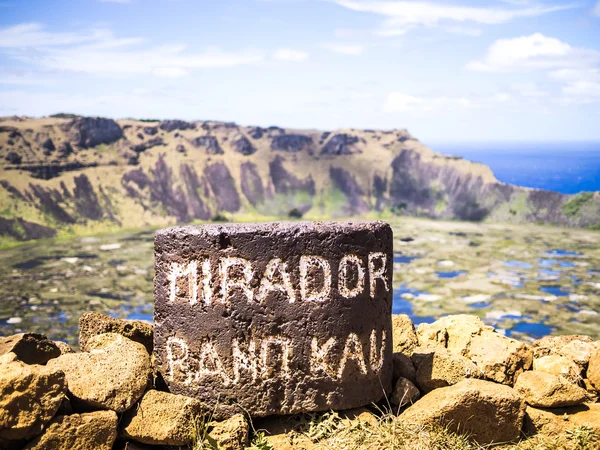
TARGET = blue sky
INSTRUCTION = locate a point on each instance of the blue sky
(452, 70)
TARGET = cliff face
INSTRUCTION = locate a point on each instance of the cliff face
(69, 175)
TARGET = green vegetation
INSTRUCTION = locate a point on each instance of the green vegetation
(219, 217)
(295, 213)
(260, 442)
(571, 207)
(64, 116)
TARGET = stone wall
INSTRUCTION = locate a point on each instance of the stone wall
(456, 372)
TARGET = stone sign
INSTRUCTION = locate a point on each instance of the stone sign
(275, 318)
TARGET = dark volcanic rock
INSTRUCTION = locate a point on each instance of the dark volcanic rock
(48, 146)
(291, 142)
(23, 230)
(30, 348)
(379, 189)
(13, 190)
(172, 125)
(180, 148)
(285, 182)
(413, 182)
(136, 176)
(162, 190)
(255, 133)
(65, 191)
(260, 337)
(340, 144)
(197, 207)
(86, 199)
(222, 185)
(252, 186)
(49, 205)
(210, 143)
(48, 171)
(244, 146)
(65, 149)
(13, 157)
(348, 185)
(151, 131)
(92, 131)
(148, 144)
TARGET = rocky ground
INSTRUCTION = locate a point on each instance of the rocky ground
(65, 176)
(458, 384)
(527, 281)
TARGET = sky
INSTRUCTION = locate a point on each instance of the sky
(447, 70)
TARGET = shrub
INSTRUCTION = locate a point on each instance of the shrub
(295, 214)
(572, 206)
(219, 217)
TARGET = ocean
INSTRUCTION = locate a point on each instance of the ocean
(565, 167)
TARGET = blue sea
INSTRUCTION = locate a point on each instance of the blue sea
(566, 167)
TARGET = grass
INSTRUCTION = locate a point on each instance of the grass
(332, 431)
(572, 206)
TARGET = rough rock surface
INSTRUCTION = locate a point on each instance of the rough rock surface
(558, 420)
(404, 393)
(63, 347)
(340, 144)
(92, 324)
(230, 434)
(113, 375)
(577, 348)
(92, 131)
(403, 334)
(453, 332)
(30, 395)
(593, 371)
(172, 125)
(210, 144)
(291, 142)
(440, 367)
(314, 288)
(558, 365)
(162, 418)
(243, 145)
(403, 367)
(91, 431)
(546, 390)
(489, 412)
(31, 348)
(501, 359)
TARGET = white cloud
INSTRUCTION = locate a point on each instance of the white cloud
(576, 69)
(531, 90)
(170, 72)
(401, 102)
(533, 52)
(579, 84)
(24, 80)
(33, 35)
(401, 16)
(99, 52)
(344, 49)
(288, 54)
